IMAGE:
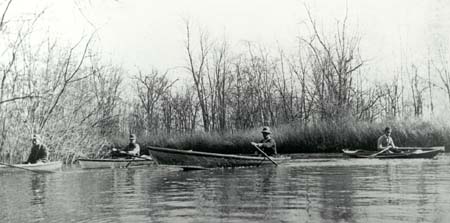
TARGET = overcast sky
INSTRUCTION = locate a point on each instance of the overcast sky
(149, 33)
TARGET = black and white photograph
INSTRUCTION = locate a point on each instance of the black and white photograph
(233, 111)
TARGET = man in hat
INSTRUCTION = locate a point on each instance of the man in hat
(267, 144)
(38, 151)
(385, 142)
(132, 149)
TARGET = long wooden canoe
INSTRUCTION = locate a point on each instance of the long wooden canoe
(114, 163)
(188, 159)
(405, 153)
(36, 167)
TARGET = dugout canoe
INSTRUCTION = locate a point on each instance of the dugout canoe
(35, 167)
(115, 163)
(191, 160)
(406, 153)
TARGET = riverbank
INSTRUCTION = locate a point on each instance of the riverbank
(319, 137)
(308, 189)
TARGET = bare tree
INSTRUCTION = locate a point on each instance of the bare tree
(70, 73)
(197, 68)
(151, 89)
(417, 91)
(106, 81)
(443, 71)
(333, 66)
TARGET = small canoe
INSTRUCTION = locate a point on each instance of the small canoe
(193, 160)
(405, 153)
(114, 163)
(35, 167)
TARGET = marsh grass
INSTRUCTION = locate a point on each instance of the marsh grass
(319, 137)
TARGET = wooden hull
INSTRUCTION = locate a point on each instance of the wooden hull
(406, 153)
(113, 163)
(48, 166)
(201, 160)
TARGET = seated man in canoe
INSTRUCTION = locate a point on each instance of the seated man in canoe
(38, 151)
(386, 143)
(131, 150)
(267, 144)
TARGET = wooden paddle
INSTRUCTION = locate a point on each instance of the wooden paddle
(142, 157)
(35, 171)
(382, 151)
(134, 156)
(262, 152)
(128, 164)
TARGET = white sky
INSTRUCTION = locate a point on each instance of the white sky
(150, 33)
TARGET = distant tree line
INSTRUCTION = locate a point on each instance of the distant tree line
(80, 104)
(323, 80)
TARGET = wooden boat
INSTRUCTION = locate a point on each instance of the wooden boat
(190, 160)
(405, 153)
(115, 163)
(35, 167)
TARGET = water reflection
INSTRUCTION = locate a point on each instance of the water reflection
(337, 195)
(322, 190)
(38, 198)
(37, 186)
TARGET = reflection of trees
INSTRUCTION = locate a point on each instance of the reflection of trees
(420, 191)
(337, 194)
(240, 194)
(38, 189)
(88, 190)
(339, 189)
(405, 190)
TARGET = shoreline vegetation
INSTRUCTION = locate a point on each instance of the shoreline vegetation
(323, 137)
(317, 96)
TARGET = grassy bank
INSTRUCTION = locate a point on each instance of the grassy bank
(319, 137)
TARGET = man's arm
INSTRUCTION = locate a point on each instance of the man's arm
(136, 150)
(380, 143)
(392, 144)
(269, 144)
(43, 156)
(132, 151)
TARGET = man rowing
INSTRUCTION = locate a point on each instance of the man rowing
(132, 149)
(38, 151)
(267, 144)
(386, 143)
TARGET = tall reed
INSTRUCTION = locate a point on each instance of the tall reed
(321, 137)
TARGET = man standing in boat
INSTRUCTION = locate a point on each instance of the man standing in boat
(385, 142)
(132, 149)
(267, 144)
(38, 151)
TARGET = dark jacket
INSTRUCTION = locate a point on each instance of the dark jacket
(132, 148)
(269, 146)
(38, 153)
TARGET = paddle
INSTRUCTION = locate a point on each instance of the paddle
(134, 156)
(128, 164)
(382, 151)
(262, 152)
(142, 157)
(35, 171)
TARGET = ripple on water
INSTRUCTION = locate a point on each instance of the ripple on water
(329, 189)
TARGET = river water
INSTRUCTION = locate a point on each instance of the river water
(305, 189)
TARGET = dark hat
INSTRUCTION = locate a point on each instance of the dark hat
(132, 136)
(266, 130)
(35, 136)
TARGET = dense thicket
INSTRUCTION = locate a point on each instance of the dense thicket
(315, 95)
